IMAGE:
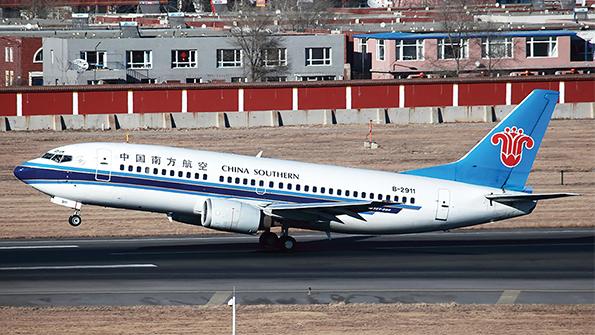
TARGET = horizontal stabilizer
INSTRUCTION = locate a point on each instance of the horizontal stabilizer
(527, 197)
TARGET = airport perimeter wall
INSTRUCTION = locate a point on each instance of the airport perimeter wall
(417, 115)
(290, 103)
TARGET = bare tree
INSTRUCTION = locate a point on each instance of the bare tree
(300, 15)
(263, 54)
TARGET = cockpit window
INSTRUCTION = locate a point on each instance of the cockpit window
(58, 158)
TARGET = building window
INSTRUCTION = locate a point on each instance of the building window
(275, 79)
(542, 47)
(380, 50)
(229, 58)
(275, 57)
(139, 59)
(409, 49)
(581, 50)
(363, 45)
(318, 56)
(9, 78)
(239, 79)
(96, 59)
(453, 48)
(38, 56)
(193, 80)
(496, 47)
(315, 78)
(183, 58)
(8, 55)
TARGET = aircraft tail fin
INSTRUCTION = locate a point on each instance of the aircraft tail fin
(504, 157)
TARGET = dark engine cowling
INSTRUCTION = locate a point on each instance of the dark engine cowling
(230, 215)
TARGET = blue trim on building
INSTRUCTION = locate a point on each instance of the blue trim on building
(424, 36)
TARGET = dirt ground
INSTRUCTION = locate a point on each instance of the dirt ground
(304, 319)
(568, 146)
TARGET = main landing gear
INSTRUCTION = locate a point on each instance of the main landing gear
(270, 240)
(75, 219)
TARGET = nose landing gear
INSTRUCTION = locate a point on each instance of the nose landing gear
(75, 219)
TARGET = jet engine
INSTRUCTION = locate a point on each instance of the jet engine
(230, 215)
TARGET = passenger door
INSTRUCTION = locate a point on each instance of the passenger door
(103, 171)
(443, 205)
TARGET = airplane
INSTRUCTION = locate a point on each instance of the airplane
(247, 194)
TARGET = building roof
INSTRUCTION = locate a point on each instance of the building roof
(422, 36)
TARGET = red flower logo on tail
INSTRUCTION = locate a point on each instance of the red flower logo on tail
(513, 140)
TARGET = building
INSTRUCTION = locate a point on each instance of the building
(70, 61)
(400, 55)
(20, 61)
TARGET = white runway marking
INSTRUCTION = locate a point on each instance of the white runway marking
(77, 267)
(508, 297)
(219, 298)
(38, 247)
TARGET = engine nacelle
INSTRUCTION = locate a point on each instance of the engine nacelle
(231, 215)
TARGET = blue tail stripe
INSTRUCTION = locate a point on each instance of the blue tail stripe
(489, 163)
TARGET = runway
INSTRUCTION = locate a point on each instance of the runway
(486, 267)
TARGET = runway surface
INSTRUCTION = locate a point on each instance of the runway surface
(487, 267)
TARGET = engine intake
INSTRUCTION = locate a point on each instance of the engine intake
(230, 215)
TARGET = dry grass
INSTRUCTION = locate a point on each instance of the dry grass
(304, 319)
(567, 146)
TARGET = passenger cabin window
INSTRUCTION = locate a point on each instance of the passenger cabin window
(322, 190)
(314, 189)
(364, 195)
(172, 173)
(138, 169)
(298, 187)
(281, 185)
(330, 191)
(221, 178)
(306, 188)
(229, 179)
(147, 170)
(180, 174)
(372, 196)
(387, 197)
(355, 194)
(271, 184)
(130, 168)
(121, 167)
(155, 171)
(163, 172)
(261, 183)
(237, 180)
(379, 196)
(346, 193)
(245, 181)
(396, 198)
(204, 176)
(412, 200)
(253, 182)
(289, 186)
(196, 175)
(339, 192)
(404, 200)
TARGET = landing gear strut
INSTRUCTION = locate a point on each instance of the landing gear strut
(75, 219)
(270, 240)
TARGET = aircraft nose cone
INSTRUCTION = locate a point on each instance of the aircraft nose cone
(22, 172)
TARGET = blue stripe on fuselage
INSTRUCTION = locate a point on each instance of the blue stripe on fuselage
(36, 173)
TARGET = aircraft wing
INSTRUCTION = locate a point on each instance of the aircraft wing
(321, 210)
(527, 197)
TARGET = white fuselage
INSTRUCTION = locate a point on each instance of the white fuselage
(175, 180)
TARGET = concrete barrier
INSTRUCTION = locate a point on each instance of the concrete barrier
(156, 120)
(501, 111)
(72, 122)
(347, 116)
(210, 120)
(43, 122)
(3, 123)
(467, 114)
(183, 120)
(481, 114)
(16, 123)
(424, 115)
(235, 120)
(584, 110)
(320, 116)
(263, 119)
(292, 118)
(398, 115)
(128, 121)
(100, 121)
(563, 111)
(363, 116)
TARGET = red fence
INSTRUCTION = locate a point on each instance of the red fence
(113, 99)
